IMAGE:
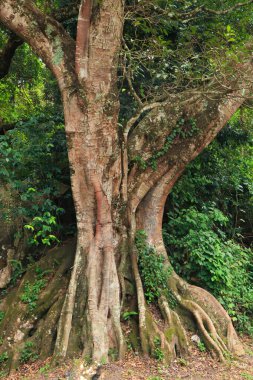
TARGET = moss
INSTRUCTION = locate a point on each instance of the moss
(169, 333)
(149, 323)
(133, 337)
(40, 325)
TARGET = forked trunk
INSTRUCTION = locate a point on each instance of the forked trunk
(115, 197)
(105, 278)
(107, 221)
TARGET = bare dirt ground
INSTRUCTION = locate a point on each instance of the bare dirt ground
(198, 366)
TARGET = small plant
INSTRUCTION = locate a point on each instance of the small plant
(1, 316)
(171, 299)
(155, 378)
(113, 354)
(103, 360)
(152, 269)
(44, 369)
(201, 346)
(28, 354)
(158, 353)
(247, 376)
(128, 314)
(87, 360)
(17, 270)
(41, 228)
(31, 293)
(3, 357)
(40, 273)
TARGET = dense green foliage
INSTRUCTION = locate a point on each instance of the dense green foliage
(151, 265)
(209, 223)
(34, 168)
(170, 46)
(33, 157)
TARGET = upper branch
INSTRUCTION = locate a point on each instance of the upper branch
(45, 35)
(217, 12)
(185, 15)
(172, 135)
(82, 38)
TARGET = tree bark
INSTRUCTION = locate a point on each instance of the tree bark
(114, 196)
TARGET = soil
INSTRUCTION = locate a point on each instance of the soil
(198, 366)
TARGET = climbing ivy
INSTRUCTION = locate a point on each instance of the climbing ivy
(153, 272)
(184, 129)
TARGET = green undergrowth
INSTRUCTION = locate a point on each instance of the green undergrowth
(153, 271)
(28, 353)
(32, 290)
(208, 221)
(34, 171)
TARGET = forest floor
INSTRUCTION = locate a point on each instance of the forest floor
(198, 366)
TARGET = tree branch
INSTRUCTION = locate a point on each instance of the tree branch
(15, 41)
(171, 13)
(165, 139)
(82, 38)
(45, 35)
(220, 12)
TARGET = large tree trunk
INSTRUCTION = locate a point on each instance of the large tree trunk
(94, 156)
(114, 196)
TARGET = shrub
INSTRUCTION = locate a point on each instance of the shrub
(200, 252)
(153, 272)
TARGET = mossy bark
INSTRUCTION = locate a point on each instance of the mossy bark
(35, 322)
(162, 333)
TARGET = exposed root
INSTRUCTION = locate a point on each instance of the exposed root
(65, 321)
(35, 325)
(206, 327)
(174, 332)
(172, 336)
(141, 301)
(213, 322)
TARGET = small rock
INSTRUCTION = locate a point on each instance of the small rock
(195, 339)
(19, 335)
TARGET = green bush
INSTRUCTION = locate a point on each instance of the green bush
(201, 253)
(27, 353)
(34, 168)
(208, 227)
(153, 272)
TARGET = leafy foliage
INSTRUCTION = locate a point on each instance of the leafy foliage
(158, 353)
(31, 291)
(210, 217)
(171, 45)
(34, 167)
(27, 353)
(152, 269)
(128, 314)
(3, 357)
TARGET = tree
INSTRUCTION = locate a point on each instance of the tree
(121, 177)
